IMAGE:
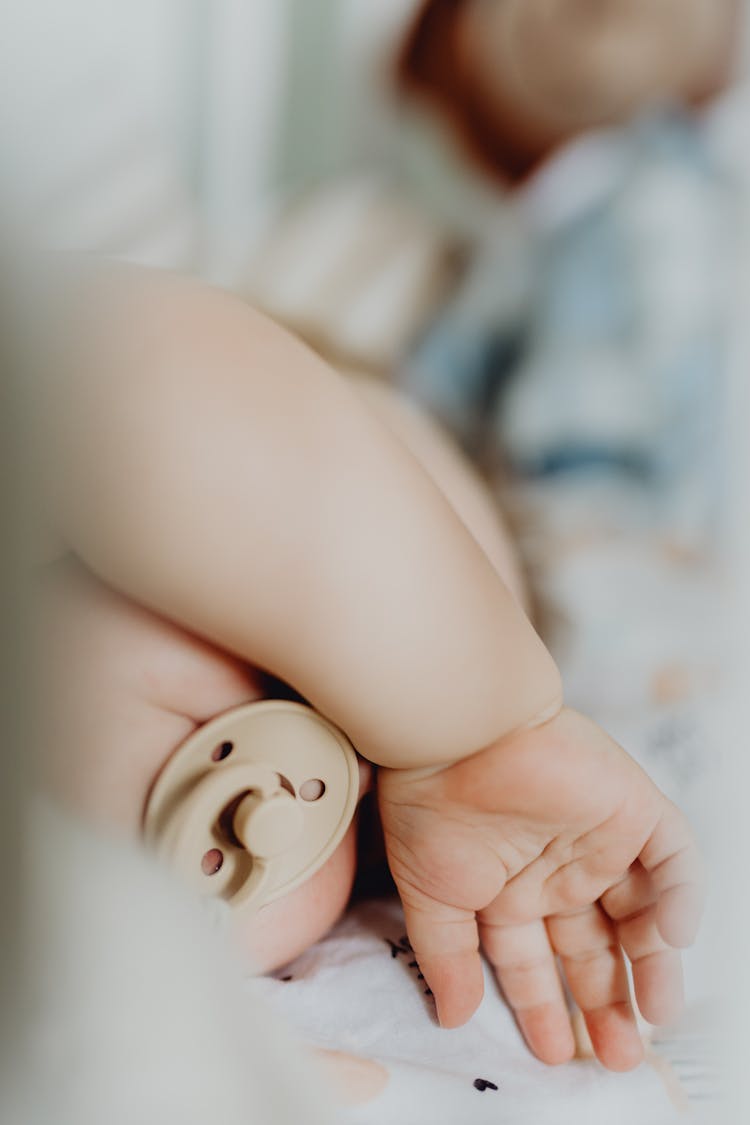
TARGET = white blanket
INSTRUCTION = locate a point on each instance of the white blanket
(359, 992)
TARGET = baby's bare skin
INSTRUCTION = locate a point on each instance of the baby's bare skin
(213, 470)
(131, 687)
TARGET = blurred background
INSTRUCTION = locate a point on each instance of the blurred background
(531, 215)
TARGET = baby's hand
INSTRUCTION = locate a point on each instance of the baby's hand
(551, 843)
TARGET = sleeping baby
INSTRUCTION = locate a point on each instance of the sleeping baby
(232, 513)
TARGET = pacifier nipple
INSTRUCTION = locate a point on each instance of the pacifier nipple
(268, 827)
(254, 802)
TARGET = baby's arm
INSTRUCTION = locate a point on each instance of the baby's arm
(208, 465)
(461, 485)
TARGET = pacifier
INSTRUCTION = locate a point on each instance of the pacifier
(253, 803)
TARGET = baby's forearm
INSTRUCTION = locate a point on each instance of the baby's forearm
(204, 462)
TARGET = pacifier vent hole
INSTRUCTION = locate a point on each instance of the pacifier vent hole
(222, 751)
(312, 789)
(212, 861)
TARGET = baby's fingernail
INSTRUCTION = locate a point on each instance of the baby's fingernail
(679, 915)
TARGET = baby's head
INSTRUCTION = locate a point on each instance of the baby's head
(519, 77)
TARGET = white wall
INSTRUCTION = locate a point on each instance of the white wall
(162, 130)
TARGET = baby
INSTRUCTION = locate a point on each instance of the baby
(230, 504)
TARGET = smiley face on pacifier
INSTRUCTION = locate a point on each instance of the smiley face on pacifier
(254, 802)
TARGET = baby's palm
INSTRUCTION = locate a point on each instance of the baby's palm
(551, 843)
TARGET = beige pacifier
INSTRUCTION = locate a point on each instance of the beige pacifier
(254, 802)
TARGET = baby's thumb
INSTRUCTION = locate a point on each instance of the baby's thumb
(445, 941)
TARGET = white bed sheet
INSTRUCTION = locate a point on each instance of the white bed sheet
(358, 991)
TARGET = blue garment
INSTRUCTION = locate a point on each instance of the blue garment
(614, 362)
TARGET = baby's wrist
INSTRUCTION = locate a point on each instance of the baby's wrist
(541, 718)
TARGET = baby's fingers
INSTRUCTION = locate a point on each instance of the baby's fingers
(524, 962)
(595, 971)
(446, 945)
(677, 873)
(657, 968)
(657, 909)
